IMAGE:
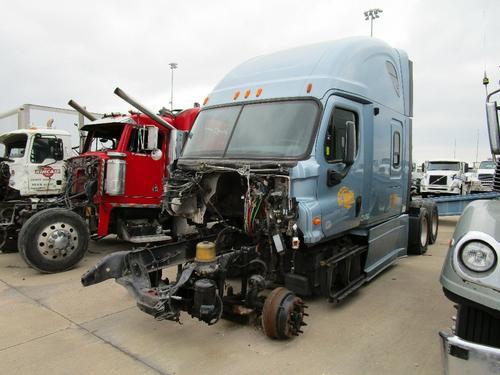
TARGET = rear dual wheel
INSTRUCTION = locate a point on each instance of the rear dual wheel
(53, 240)
(419, 232)
(433, 223)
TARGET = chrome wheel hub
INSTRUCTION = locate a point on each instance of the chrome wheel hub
(57, 241)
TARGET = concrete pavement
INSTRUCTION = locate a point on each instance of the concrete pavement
(51, 324)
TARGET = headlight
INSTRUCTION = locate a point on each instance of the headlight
(478, 256)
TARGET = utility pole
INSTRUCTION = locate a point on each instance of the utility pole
(477, 147)
(172, 67)
(371, 14)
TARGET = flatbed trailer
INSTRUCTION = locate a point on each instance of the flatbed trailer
(455, 205)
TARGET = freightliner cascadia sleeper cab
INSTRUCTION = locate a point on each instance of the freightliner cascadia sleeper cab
(297, 176)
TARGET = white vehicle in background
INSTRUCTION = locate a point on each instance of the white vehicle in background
(444, 177)
(485, 173)
(32, 174)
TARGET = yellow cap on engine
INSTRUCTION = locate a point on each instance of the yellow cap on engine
(205, 251)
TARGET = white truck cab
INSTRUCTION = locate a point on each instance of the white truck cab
(33, 162)
(444, 176)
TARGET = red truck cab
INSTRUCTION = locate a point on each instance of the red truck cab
(118, 180)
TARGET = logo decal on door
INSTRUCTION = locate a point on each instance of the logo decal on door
(345, 197)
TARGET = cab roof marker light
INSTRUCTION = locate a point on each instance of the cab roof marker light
(236, 94)
(259, 91)
(247, 93)
(309, 87)
(205, 101)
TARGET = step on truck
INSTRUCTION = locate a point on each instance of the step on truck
(471, 277)
(296, 174)
(115, 186)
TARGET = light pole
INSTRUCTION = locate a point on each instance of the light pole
(172, 67)
(371, 14)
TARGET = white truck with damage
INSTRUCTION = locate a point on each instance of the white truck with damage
(32, 175)
(444, 177)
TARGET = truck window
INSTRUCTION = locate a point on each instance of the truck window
(102, 137)
(281, 129)
(396, 150)
(137, 138)
(15, 146)
(335, 141)
(43, 148)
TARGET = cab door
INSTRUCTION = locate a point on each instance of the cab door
(144, 174)
(340, 185)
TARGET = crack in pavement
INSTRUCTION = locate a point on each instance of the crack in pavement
(80, 326)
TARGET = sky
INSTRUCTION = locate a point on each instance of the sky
(53, 51)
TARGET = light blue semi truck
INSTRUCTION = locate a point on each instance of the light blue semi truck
(296, 176)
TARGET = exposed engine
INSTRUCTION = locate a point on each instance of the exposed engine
(83, 177)
(246, 231)
(255, 201)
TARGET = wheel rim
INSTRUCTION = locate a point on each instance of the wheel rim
(57, 241)
(434, 226)
(424, 232)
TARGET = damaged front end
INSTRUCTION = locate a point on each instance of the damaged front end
(246, 220)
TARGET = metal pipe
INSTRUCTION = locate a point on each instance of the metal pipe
(77, 107)
(118, 91)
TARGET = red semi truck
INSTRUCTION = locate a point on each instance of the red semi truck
(115, 186)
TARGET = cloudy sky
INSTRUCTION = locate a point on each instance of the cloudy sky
(52, 51)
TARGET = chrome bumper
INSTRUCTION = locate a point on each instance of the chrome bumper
(463, 357)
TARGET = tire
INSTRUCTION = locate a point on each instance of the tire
(53, 240)
(433, 223)
(419, 232)
(424, 195)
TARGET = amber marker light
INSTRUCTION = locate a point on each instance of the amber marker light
(309, 87)
(205, 101)
(317, 220)
(259, 91)
(247, 94)
(236, 95)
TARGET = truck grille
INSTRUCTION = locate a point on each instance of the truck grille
(437, 180)
(485, 179)
(496, 178)
(478, 326)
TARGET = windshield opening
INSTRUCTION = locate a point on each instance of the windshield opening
(103, 137)
(487, 165)
(281, 129)
(14, 146)
(443, 166)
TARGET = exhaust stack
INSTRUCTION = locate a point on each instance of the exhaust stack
(118, 91)
(77, 107)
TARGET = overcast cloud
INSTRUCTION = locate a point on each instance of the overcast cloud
(52, 51)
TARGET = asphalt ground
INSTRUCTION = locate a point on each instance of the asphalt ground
(50, 324)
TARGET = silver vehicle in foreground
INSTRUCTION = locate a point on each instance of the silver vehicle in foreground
(471, 278)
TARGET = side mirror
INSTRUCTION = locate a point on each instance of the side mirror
(152, 138)
(466, 167)
(493, 126)
(423, 167)
(58, 150)
(350, 150)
